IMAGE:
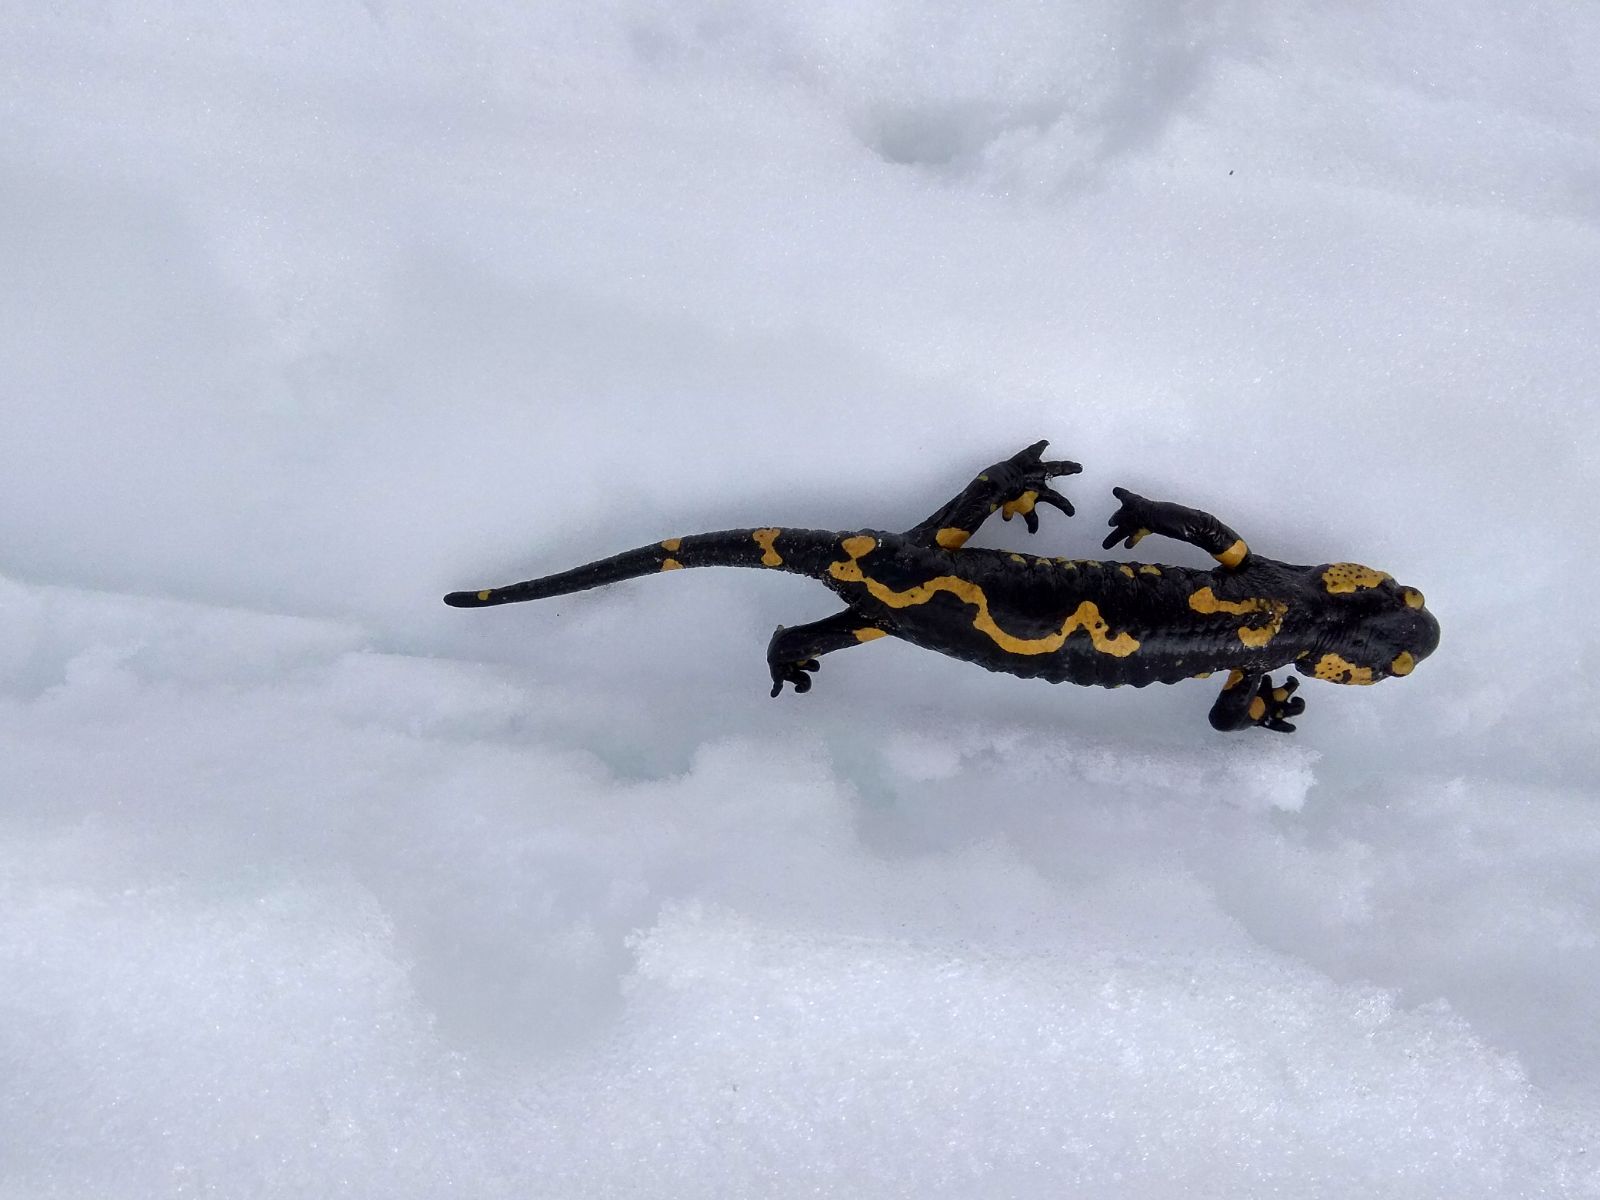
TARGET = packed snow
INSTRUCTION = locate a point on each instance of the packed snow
(310, 886)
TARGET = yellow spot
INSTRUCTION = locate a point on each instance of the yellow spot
(1138, 536)
(1337, 670)
(1351, 577)
(1149, 569)
(1235, 678)
(671, 545)
(1202, 675)
(1258, 709)
(855, 547)
(483, 595)
(869, 634)
(764, 538)
(1018, 558)
(1126, 570)
(1091, 562)
(1280, 694)
(1086, 616)
(1233, 555)
(671, 564)
(1022, 505)
(1403, 665)
(1413, 598)
(952, 538)
(1205, 601)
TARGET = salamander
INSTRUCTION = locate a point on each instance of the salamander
(1065, 620)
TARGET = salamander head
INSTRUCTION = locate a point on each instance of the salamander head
(1378, 630)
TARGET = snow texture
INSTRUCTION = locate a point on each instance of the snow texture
(310, 886)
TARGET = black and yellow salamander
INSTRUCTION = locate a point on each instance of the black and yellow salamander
(1066, 620)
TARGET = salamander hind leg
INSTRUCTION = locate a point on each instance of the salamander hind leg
(792, 653)
(1013, 487)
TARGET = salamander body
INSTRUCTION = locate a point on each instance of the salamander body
(1083, 621)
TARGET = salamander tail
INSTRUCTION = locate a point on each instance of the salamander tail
(797, 550)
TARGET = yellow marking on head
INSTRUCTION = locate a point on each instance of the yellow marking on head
(952, 538)
(1022, 505)
(1351, 577)
(1086, 616)
(671, 564)
(1254, 636)
(869, 634)
(1233, 555)
(764, 538)
(671, 545)
(1413, 598)
(1235, 678)
(1403, 665)
(1338, 670)
(1258, 708)
(1126, 570)
(1149, 569)
(484, 595)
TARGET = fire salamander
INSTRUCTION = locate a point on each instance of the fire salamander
(1062, 619)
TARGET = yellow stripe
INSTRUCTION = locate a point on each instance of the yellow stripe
(1086, 617)
(1205, 601)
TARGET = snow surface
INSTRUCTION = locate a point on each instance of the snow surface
(310, 886)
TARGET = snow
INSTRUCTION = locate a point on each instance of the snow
(312, 886)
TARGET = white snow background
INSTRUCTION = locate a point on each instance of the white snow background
(311, 312)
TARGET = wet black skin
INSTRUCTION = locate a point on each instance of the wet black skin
(1124, 623)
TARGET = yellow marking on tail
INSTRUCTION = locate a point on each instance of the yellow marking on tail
(485, 594)
(671, 545)
(671, 564)
(764, 538)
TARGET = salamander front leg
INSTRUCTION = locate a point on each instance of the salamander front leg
(1138, 517)
(792, 653)
(1248, 700)
(1014, 487)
